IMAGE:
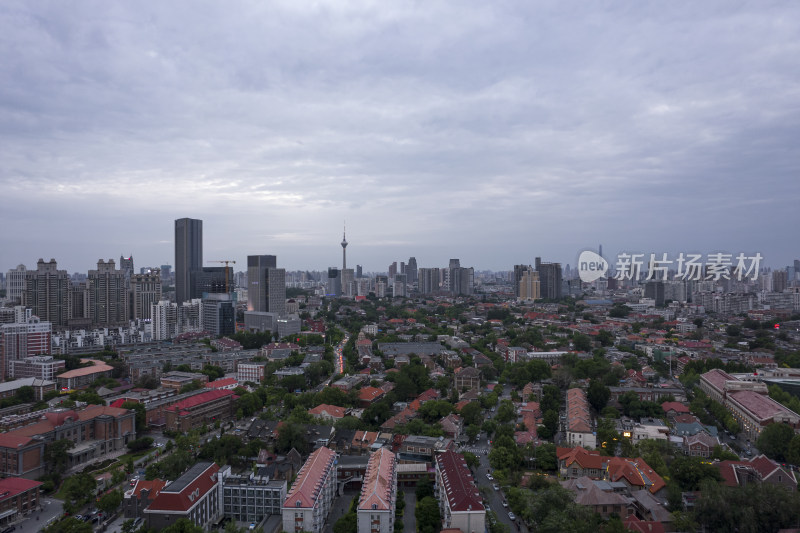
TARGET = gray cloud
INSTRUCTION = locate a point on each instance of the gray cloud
(491, 132)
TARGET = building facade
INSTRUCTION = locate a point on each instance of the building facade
(376, 504)
(309, 500)
(460, 503)
(108, 295)
(205, 408)
(40, 367)
(46, 292)
(250, 498)
(21, 340)
(188, 257)
(145, 292)
(195, 495)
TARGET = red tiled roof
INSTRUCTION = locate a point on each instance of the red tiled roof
(98, 366)
(180, 501)
(308, 484)
(762, 407)
(678, 407)
(458, 485)
(154, 486)
(11, 486)
(333, 411)
(9, 440)
(377, 489)
(199, 399)
(368, 394)
(224, 382)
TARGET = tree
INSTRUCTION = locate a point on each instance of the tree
(141, 414)
(140, 444)
(26, 394)
(291, 436)
(582, 343)
(774, 441)
(689, 472)
(471, 413)
(79, 488)
(346, 524)
(110, 501)
(793, 451)
(471, 459)
(55, 455)
(424, 488)
(69, 525)
(427, 514)
(472, 431)
(598, 395)
(605, 337)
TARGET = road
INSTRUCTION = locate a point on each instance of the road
(51, 510)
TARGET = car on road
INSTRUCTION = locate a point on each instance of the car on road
(511, 516)
(496, 486)
(489, 476)
(505, 503)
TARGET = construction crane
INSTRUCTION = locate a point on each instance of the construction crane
(227, 285)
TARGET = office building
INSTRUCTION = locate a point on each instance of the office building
(43, 367)
(334, 288)
(219, 315)
(251, 497)
(399, 286)
(15, 283)
(549, 279)
(266, 285)
(108, 295)
(376, 504)
(779, 281)
(213, 280)
(46, 292)
(309, 500)
(392, 270)
(411, 270)
(348, 282)
(460, 502)
(145, 292)
(655, 290)
(195, 495)
(188, 257)
(21, 340)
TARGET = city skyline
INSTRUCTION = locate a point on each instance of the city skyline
(491, 133)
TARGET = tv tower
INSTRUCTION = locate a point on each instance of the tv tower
(344, 248)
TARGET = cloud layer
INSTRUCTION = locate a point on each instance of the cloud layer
(490, 132)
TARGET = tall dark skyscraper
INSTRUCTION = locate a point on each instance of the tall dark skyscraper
(411, 270)
(549, 279)
(266, 285)
(188, 257)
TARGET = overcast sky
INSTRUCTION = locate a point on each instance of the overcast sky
(489, 131)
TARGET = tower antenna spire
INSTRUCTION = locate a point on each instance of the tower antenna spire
(344, 247)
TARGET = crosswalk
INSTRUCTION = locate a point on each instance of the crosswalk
(476, 451)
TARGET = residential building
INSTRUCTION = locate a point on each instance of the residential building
(18, 498)
(579, 427)
(376, 504)
(108, 295)
(218, 314)
(21, 340)
(529, 285)
(40, 367)
(15, 283)
(195, 495)
(251, 497)
(327, 412)
(429, 280)
(467, 378)
(309, 500)
(40, 387)
(252, 372)
(164, 316)
(46, 292)
(145, 292)
(334, 285)
(460, 502)
(759, 469)
(549, 279)
(177, 379)
(188, 257)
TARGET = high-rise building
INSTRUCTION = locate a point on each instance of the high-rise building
(334, 283)
(21, 340)
(266, 285)
(359, 271)
(393, 270)
(655, 291)
(79, 304)
(549, 279)
(348, 282)
(428, 280)
(219, 314)
(15, 283)
(399, 286)
(518, 271)
(411, 270)
(108, 295)
(164, 316)
(213, 280)
(126, 265)
(188, 257)
(529, 287)
(381, 284)
(779, 281)
(145, 291)
(46, 292)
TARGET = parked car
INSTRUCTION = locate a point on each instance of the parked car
(511, 516)
(489, 476)
(505, 503)
(496, 486)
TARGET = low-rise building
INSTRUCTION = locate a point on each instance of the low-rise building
(579, 430)
(40, 387)
(18, 497)
(177, 380)
(250, 498)
(460, 502)
(252, 372)
(85, 376)
(195, 495)
(41, 366)
(376, 504)
(203, 408)
(139, 497)
(309, 501)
